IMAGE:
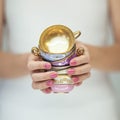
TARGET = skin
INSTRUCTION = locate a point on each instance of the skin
(11, 65)
(108, 58)
(44, 80)
(103, 58)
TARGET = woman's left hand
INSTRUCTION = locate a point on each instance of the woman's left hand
(80, 66)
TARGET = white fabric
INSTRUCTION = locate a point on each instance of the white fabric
(26, 19)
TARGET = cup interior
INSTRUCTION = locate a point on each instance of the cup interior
(56, 39)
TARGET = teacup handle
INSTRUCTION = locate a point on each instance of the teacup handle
(80, 51)
(77, 34)
(35, 51)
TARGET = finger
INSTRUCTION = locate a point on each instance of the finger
(47, 90)
(33, 57)
(79, 70)
(78, 84)
(35, 65)
(80, 60)
(80, 78)
(43, 76)
(85, 58)
(42, 85)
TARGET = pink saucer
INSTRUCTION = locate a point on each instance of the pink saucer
(62, 88)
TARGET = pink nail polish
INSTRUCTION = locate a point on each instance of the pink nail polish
(75, 79)
(71, 71)
(54, 75)
(49, 83)
(47, 91)
(73, 63)
(47, 66)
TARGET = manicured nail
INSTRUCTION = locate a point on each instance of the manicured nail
(47, 66)
(73, 63)
(75, 79)
(47, 91)
(54, 75)
(49, 83)
(71, 71)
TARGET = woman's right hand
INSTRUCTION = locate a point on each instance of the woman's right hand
(41, 80)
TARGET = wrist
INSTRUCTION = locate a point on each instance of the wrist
(93, 51)
(24, 60)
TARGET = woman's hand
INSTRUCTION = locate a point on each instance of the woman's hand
(41, 80)
(80, 66)
(79, 71)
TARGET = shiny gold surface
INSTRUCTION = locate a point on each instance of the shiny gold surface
(57, 31)
(63, 79)
(80, 51)
(77, 34)
(35, 51)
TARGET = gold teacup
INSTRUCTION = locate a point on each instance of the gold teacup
(56, 42)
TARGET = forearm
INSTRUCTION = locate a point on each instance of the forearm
(105, 58)
(12, 65)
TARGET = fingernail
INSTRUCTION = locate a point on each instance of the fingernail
(47, 66)
(54, 75)
(49, 83)
(71, 71)
(73, 63)
(47, 91)
(75, 79)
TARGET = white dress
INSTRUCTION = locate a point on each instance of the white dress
(26, 19)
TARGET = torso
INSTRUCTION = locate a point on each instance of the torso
(26, 19)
